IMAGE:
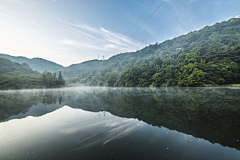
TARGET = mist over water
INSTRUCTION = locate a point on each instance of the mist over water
(120, 123)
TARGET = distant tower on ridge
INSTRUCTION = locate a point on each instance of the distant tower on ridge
(98, 57)
(103, 57)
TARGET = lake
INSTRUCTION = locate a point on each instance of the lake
(120, 123)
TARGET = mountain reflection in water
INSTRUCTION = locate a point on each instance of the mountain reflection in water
(118, 123)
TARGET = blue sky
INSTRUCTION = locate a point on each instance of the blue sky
(73, 31)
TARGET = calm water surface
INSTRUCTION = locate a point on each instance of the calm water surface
(120, 123)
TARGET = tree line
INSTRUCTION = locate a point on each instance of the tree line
(44, 80)
(188, 68)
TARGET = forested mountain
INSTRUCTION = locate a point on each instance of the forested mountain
(210, 56)
(207, 56)
(37, 64)
(19, 76)
(13, 68)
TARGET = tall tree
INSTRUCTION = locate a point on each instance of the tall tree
(60, 76)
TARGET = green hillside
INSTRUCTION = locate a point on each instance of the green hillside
(37, 64)
(13, 68)
(210, 56)
(207, 56)
(20, 76)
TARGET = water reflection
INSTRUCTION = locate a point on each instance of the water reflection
(28, 102)
(81, 121)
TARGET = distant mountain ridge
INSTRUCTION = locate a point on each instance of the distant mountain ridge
(20, 76)
(36, 64)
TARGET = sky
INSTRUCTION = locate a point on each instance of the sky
(72, 31)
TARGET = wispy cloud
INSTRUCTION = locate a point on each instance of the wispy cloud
(78, 44)
(99, 39)
(138, 24)
(237, 16)
(216, 2)
(36, 24)
(193, 1)
(179, 28)
(186, 20)
(140, 4)
(78, 31)
(83, 26)
(228, 2)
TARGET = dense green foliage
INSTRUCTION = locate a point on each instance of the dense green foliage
(44, 80)
(37, 64)
(210, 56)
(19, 76)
